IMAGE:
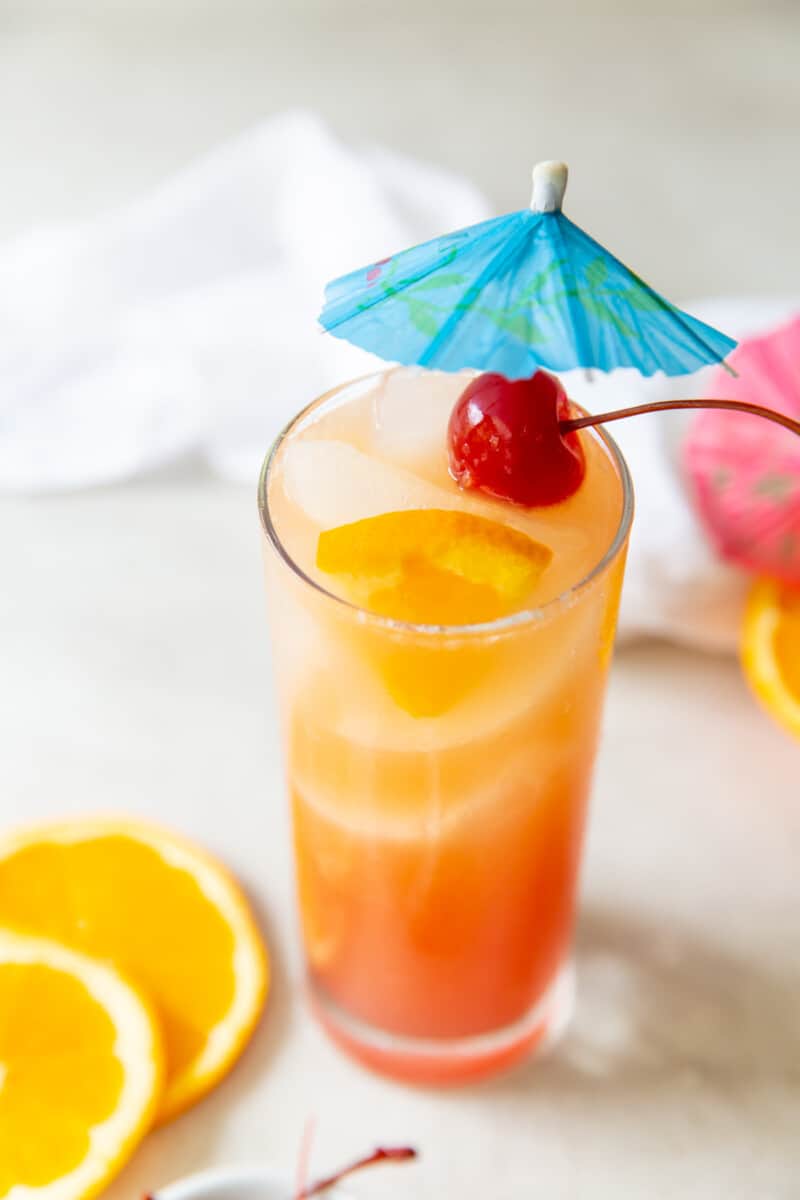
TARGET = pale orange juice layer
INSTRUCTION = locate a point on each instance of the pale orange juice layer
(438, 777)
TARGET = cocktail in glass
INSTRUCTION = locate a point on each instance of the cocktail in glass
(438, 769)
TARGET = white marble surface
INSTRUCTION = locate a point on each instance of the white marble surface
(136, 676)
(134, 668)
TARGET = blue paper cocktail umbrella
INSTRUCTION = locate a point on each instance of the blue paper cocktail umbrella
(516, 293)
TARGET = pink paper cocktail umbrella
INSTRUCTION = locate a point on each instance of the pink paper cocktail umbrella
(744, 472)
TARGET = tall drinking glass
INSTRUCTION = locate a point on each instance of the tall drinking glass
(438, 776)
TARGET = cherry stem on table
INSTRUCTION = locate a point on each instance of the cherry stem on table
(382, 1154)
(755, 410)
(304, 1156)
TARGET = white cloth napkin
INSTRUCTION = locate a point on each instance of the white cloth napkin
(675, 585)
(187, 322)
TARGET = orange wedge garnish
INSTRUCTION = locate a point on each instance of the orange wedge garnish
(432, 567)
(771, 650)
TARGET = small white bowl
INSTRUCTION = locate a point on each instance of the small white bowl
(237, 1183)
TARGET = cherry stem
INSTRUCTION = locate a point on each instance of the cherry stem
(755, 410)
(304, 1156)
(382, 1154)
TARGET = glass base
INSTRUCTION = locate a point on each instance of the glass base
(455, 1060)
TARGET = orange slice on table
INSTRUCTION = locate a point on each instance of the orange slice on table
(165, 914)
(81, 1070)
(434, 566)
(771, 650)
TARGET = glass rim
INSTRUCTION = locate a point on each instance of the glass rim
(500, 625)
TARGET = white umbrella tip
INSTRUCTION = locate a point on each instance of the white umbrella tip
(549, 185)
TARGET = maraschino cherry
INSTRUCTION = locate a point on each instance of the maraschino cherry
(504, 438)
(518, 439)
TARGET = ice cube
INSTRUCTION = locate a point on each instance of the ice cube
(411, 409)
(334, 484)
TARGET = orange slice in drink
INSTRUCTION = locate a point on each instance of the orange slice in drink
(432, 567)
(163, 912)
(80, 1070)
(771, 650)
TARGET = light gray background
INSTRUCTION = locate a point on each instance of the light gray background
(680, 119)
(135, 670)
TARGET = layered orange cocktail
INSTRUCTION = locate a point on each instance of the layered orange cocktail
(441, 659)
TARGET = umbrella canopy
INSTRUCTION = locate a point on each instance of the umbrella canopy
(745, 472)
(516, 293)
